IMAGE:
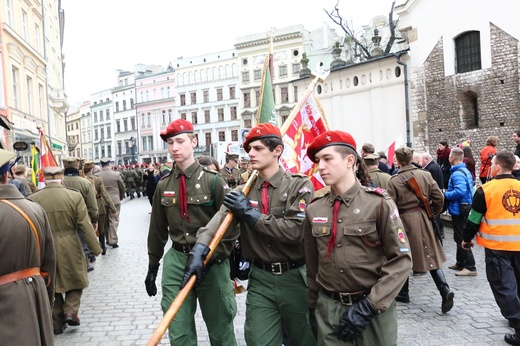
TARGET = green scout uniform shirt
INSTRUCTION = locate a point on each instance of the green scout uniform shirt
(86, 189)
(277, 237)
(365, 216)
(205, 193)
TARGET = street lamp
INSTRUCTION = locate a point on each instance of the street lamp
(133, 149)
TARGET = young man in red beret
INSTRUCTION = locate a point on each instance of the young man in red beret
(357, 253)
(271, 219)
(184, 201)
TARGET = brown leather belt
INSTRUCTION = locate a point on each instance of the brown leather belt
(410, 210)
(345, 298)
(277, 268)
(184, 248)
(19, 275)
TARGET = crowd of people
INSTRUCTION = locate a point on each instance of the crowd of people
(324, 267)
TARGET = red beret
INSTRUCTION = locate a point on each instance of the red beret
(263, 130)
(177, 127)
(328, 138)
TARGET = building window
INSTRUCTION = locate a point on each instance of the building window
(119, 151)
(9, 12)
(142, 96)
(162, 93)
(148, 119)
(96, 136)
(467, 48)
(107, 111)
(208, 140)
(101, 115)
(245, 77)
(24, 25)
(118, 125)
(29, 95)
(168, 92)
(194, 118)
(257, 74)
(295, 90)
(234, 135)
(282, 71)
(205, 96)
(37, 37)
(222, 136)
(257, 95)
(132, 105)
(219, 94)
(220, 113)
(206, 116)
(124, 105)
(183, 99)
(125, 125)
(183, 116)
(95, 117)
(15, 87)
(285, 94)
(40, 99)
(296, 68)
(163, 117)
(117, 106)
(132, 122)
(233, 111)
(193, 97)
(468, 104)
(109, 132)
(247, 99)
(247, 123)
(169, 116)
(231, 93)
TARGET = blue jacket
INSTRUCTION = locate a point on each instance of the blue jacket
(459, 188)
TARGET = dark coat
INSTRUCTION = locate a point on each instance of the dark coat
(436, 172)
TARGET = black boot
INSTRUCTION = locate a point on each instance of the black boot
(513, 339)
(403, 295)
(101, 239)
(446, 294)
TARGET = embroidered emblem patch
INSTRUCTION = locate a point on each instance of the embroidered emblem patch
(254, 203)
(511, 201)
(304, 189)
(320, 219)
(394, 214)
(356, 211)
(302, 205)
(169, 194)
(400, 235)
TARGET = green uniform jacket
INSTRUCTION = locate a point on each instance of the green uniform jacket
(102, 197)
(67, 211)
(233, 178)
(86, 189)
(25, 309)
(205, 193)
(378, 178)
(356, 264)
(278, 236)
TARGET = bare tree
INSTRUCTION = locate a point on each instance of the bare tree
(362, 43)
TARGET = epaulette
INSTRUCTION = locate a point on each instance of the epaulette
(321, 193)
(298, 174)
(210, 170)
(377, 190)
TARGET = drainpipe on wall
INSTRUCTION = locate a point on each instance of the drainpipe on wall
(407, 108)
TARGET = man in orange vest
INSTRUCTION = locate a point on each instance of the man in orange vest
(495, 220)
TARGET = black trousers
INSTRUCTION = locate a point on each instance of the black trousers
(501, 277)
(465, 258)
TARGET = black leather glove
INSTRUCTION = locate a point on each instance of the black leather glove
(313, 322)
(149, 282)
(354, 320)
(240, 206)
(195, 263)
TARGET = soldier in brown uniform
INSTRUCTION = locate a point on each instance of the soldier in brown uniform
(103, 201)
(116, 191)
(27, 253)
(230, 172)
(67, 211)
(428, 254)
(356, 250)
(271, 219)
(377, 177)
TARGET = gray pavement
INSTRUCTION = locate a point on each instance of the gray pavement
(116, 310)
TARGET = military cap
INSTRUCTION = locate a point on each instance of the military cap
(20, 169)
(371, 159)
(70, 162)
(404, 154)
(53, 172)
(232, 156)
(244, 160)
(261, 131)
(177, 127)
(5, 158)
(105, 160)
(327, 139)
(88, 164)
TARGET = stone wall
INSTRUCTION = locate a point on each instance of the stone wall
(436, 99)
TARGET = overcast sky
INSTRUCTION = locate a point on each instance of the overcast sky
(102, 36)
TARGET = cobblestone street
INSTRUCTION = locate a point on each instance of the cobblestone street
(116, 310)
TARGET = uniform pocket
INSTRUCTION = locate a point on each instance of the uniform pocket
(366, 230)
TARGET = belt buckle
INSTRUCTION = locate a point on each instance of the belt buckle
(276, 268)
(345, 298)
(185, 248)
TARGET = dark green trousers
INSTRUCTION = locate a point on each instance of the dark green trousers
(382, 331)
(216, 299)
(275, 302)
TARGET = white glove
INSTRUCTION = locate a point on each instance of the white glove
(243, 265)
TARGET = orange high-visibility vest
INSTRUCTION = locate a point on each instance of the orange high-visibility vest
(500, 226)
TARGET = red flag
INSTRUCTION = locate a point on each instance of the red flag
(308, 124)
(391, 153)
(46, 157)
